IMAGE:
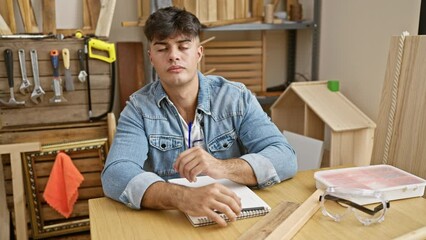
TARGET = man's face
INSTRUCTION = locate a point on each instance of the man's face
(175, 59)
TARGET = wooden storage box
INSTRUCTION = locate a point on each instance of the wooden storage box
(307, 108)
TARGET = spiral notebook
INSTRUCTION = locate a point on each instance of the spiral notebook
(252, 205)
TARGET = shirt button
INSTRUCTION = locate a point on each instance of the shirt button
(225, 145)
(129, 205)
(163, 145)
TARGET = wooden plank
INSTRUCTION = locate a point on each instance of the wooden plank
(264, 227)
(413, 235)
(221, 10)
(15, 151)
(221, 22)
(60, 114)
(43, 169)
(103, 25)
(232, 59)
(230, 9)
(8, 14)
(4, 28)
(34, 25)
(257, 8)
(91, 12)
(227, 52)
(407, 142)
(81, 209)
(235, 66)
(144, 10)
(64, 134)
(230, 44)
(212, 10)
(239, 74)
(289, 227)
(239, 9)
(24, 8)
(49, 16)
(202, 10)
(4, 211)
(90, 180)
(130, 66)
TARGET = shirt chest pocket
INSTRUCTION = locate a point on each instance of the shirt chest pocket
(223, 142)
(165, 142)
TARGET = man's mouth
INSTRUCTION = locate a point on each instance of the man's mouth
(175, 68)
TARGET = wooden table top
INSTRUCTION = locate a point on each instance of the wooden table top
(113, 220)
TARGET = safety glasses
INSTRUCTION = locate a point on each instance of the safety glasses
(337, 202)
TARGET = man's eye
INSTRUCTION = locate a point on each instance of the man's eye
(161, 49)
(183, 47)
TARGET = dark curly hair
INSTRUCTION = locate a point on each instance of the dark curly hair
(169, 21)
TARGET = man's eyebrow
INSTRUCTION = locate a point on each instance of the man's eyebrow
(160, 43)
(179, 41)
(185, 40)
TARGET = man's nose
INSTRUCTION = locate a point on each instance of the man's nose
(174, 54)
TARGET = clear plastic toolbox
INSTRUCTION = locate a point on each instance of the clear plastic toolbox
(393, 182)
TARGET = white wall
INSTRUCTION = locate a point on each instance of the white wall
(354, 43)
(355, 37)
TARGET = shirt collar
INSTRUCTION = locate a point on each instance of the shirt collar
(203, 94)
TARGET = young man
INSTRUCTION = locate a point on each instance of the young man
(187, 124)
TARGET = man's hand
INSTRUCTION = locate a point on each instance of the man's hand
(195, 161)
(203, 201)
(210, 201)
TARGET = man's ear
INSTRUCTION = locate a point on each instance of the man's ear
(200, 53)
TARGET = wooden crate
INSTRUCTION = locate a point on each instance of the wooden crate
(45, 113)
(240, 61)
(307, 108)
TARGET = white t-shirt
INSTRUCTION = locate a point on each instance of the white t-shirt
(193, 132)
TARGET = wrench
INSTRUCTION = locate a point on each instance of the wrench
(8, 59)
(38, 92)
(25, 85)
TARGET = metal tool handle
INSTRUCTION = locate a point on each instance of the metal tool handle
(21, 56)
(8, 59)
(66, 57)
(54, 57)
(34, 64)
(81, 56)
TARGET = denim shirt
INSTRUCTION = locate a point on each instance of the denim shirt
(149, 138)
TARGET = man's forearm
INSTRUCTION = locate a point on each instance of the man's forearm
(236, 169)
(161, 195)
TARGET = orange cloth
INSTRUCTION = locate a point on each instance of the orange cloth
(61, 190)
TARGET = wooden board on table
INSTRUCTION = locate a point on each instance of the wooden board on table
(76, 107)
(407, 146)
(269, 222)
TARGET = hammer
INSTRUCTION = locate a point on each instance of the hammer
(8, 59)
